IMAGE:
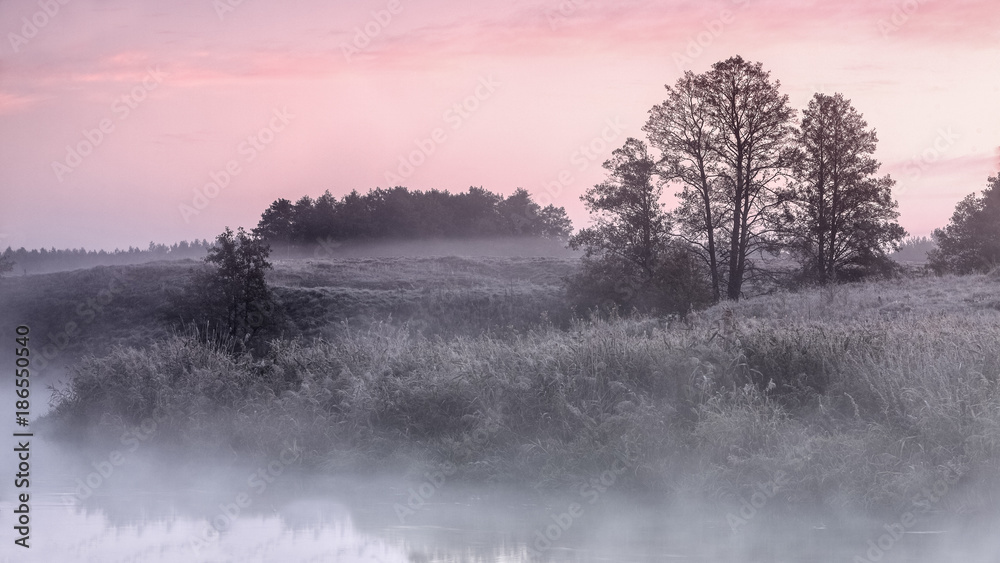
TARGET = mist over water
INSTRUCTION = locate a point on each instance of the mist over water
(161, 507)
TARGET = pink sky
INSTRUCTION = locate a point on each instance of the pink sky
(501, 95)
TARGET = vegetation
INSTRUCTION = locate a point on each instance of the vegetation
(843, 216)
(233, 301)
(971, 240)
(6, 264)
(913, 250)
(724, 136)
(43, 261)
(527, 370)
(862, 396)
(399, 213)
(630, 258)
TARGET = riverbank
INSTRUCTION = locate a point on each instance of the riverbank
(861, 398)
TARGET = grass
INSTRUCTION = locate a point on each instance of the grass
(133, 305)
(862, 395)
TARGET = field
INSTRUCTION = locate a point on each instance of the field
(857, 397)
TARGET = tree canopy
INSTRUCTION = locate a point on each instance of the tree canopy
(399, 213)
(6, 263)
(724, 136)
(971, 241)
(630, 257)
(233, 302)
(843, 220)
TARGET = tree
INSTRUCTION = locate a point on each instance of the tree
(235, 294)
(844, 217)
(724, 135)
(971, 240)
(6, 261)
(914, 249)
(555, 222)
(521, 216)
(630, 259)
(680, 129)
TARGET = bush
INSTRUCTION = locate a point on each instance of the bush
(677, 286)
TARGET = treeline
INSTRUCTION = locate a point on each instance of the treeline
(914, 249)
(41, 261)
(400, 213)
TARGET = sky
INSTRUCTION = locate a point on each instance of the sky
(130, 122)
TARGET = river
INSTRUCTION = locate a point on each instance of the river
(119, 507)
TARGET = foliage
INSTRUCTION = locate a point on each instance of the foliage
(724, 135)
(859, 406)
(914, 249)
(681, 130)
(631, 261)
(676, 285)
(233, 300)
(971, 240)
(6, 263)
(399, 213)
(43, 260)
(843, 220)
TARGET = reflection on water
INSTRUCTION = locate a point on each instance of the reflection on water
(216, 515)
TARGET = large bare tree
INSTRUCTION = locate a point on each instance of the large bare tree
(681, 130)
(725, 136)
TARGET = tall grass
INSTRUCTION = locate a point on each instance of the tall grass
(861, 409)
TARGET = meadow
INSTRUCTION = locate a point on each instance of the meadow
(856, 397)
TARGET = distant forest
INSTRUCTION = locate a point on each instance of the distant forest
(381, 214)
(399, 213)
(42, 261)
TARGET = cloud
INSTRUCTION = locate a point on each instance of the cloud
(11, 102)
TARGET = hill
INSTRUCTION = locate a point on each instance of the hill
(89, 310)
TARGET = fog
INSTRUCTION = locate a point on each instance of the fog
(154, 506)
(68, 260)
(109, 504)
(526, 247)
